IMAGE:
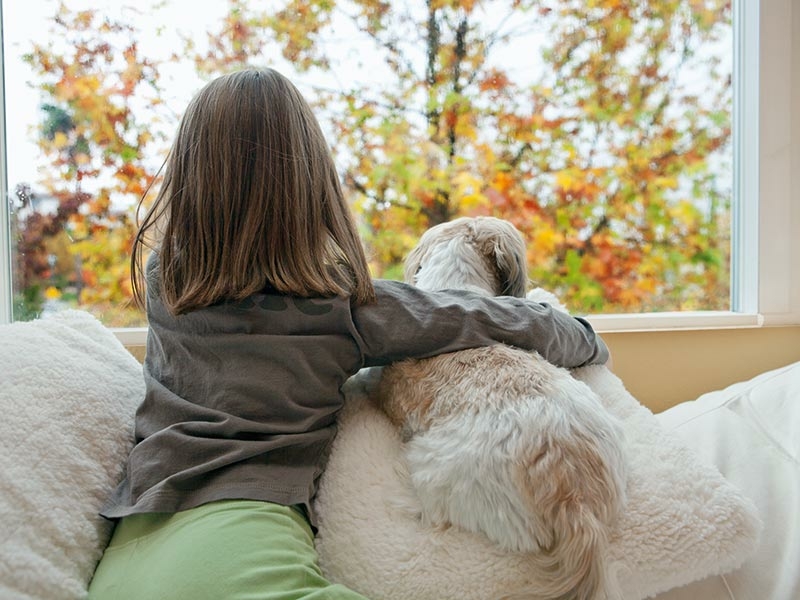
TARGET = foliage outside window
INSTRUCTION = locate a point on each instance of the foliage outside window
(600, 128)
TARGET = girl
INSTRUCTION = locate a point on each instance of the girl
(260, 306)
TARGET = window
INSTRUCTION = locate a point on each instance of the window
(635, 228)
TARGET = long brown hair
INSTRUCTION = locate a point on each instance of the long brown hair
(250, 199)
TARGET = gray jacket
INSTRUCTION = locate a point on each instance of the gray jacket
(241, 398)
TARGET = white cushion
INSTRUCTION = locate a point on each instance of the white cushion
(751, 432)
(68, 396)
(683, 522)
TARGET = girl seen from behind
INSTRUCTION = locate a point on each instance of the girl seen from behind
(260, 306)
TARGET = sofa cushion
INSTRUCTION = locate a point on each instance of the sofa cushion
(751, 432)
(68, 397)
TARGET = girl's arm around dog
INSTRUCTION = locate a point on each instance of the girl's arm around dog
(407, 322)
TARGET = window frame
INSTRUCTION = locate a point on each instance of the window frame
(6, 292)
(765, 270)
(770, 273)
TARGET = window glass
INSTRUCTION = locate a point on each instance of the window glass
(601, 129)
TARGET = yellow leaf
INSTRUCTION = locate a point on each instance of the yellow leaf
(669, 183)
(646, 284)
(502, 181)
(467, 183)
(569, 180)
(545, 240)
(468, 188)
(60, 140)
(52, 293)
(684, 212)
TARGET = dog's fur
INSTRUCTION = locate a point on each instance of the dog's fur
(500, 441)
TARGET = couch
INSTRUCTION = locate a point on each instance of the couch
(713, 506)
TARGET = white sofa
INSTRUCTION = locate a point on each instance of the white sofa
(751, 432)
(69, 391)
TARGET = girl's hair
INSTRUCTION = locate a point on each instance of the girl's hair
(250, 200)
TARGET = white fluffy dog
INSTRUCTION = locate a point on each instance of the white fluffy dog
(500, 441)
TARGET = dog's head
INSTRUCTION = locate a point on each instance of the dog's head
(484, 254)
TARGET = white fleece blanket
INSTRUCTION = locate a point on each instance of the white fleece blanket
(683, 522)
(68, 393)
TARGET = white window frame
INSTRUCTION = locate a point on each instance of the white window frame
(765, 274)
(6, 294)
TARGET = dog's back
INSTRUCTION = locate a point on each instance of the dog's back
(501, 442)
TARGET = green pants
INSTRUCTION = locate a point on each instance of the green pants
(228, 550)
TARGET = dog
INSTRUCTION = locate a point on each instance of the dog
(498, 440)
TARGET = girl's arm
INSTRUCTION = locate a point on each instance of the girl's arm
(407, 322)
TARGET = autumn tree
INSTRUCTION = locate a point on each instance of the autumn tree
(600, 128)
(96, 135)
(607, 144)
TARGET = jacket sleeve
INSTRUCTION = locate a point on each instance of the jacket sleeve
(407, 322)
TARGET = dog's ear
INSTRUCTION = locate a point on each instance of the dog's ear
(414, 259)
(504, 245)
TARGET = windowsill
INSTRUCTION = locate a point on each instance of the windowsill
(647, 322)
(131, 336)
(672, 321)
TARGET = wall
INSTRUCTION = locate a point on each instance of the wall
(664, 368)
